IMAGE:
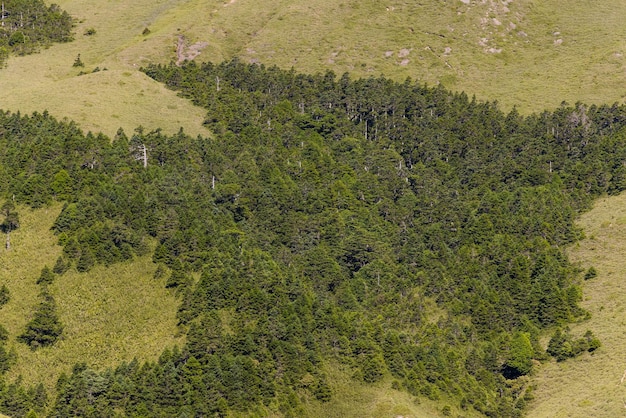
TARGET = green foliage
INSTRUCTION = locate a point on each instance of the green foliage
(322, 391)
(5, 296)
(4, 55)
(394, 228)
(11, 218)
(29, 24)
(562, 346)
(62, 185)
(46, 277)
(17, 38)
(590, 342)
(520, 358)
(178, 278)
(373, 368)
(86, 261)
(591, 273)
(60, 266)
(45, 328)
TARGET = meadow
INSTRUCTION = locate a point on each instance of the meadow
(532, 55)
(110, 315)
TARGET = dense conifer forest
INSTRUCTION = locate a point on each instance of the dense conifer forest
(398, 229)
(26, 25)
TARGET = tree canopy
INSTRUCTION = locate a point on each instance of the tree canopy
(26, 25)
(324, 218)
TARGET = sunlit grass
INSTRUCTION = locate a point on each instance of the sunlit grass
(118, 95)
(532, 55)
(110, 314)
(352, 399)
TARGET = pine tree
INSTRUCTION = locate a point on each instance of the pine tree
(45, 328)
(46, 277)
(4, 295)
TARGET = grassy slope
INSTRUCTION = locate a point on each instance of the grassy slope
(110, 315)
(593, 385)
(106, 100)
(547, 53)
(353, 399)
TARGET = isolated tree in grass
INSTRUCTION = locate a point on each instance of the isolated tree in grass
(46, 277)
(4, 295)
(45, 328)
(11, 221)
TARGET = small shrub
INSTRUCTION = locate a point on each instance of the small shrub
(160, 271)
(593, 343)
(86, 261)
(322, 391)
(61, 266)
(89, 32)
(44, 329)
(591, 273)
(17, 38)
(562, 346)
(46, 277)
(78, 62)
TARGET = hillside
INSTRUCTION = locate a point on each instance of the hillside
(110, 315)
(523, 53)
(101, 101)
(412, 235)
(328, 240)
(593, 385)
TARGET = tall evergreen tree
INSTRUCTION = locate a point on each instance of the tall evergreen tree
(45, 328)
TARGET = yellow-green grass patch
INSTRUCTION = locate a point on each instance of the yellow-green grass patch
(118, 95)
(110, 314)
(352, 399)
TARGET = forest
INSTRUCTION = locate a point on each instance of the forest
(26, 25)
(318, 225)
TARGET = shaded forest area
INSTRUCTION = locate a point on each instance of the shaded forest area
(26, 25)
(398, 229)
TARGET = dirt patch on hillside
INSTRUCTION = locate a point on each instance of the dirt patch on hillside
(188, 53)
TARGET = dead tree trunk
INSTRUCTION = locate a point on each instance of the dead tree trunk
(144, 152)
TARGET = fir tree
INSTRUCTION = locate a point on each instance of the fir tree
(45, 328)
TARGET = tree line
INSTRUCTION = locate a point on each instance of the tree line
(27, 25)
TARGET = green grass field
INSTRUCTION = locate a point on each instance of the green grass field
(120, 96)
(110, 314)
(352, 399)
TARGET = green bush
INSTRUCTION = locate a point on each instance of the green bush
(591, 273)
